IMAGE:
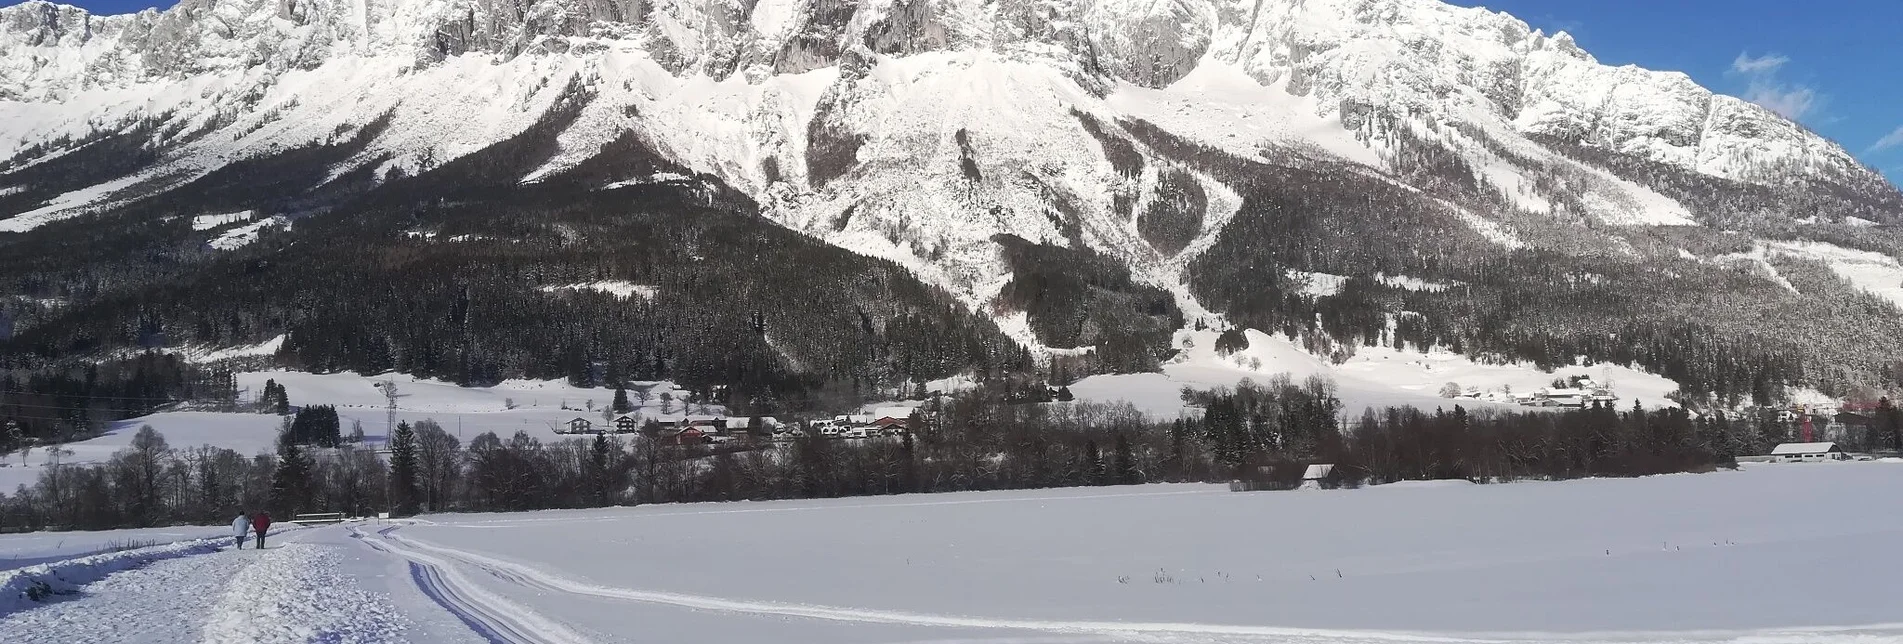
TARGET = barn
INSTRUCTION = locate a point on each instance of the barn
(1807, 453)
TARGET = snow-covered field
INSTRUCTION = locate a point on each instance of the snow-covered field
(1374, 377)
(1772, 553)
(538, 408)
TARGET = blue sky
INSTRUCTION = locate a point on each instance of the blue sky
(1835, 65)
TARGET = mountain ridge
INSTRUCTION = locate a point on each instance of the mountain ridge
(1199, 148)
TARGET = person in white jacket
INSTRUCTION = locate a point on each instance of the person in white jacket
(239, 527)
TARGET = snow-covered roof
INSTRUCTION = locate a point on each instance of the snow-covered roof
(900, 413)
(1788, 449)
(1318, 471)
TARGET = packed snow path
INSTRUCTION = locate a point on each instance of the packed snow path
(140, 605)
(289, 592)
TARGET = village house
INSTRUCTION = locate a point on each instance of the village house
(892, 421)
(685, 436)
(1586, 394)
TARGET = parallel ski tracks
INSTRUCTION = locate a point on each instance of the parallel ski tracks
(495, 619)
(440, 559)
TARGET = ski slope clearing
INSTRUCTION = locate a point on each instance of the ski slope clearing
(1670, 558)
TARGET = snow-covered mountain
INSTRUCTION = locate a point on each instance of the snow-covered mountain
(922, 130)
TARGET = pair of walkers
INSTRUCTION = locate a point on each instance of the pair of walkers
(254, 523)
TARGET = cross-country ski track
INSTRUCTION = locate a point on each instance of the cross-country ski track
(503, 623)
(497, 620)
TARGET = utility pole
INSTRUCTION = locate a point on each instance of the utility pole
(389, 394)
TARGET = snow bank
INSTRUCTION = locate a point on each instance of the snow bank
(25, 587)
(21, 550)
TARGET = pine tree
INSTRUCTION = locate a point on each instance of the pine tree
(621, 404)
(403, 469)
(1125, 463)
(1064, 395)
(291, 481)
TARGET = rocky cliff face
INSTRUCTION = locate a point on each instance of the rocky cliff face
(1416, 57)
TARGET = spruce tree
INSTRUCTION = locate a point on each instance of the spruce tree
(621, 404)
(403, 469)
(291, 481)
(1093, 460)
(1125, 463)
(277, 401)
(601, 464)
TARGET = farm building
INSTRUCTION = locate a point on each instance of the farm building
(1807, 453)
(1313, 476)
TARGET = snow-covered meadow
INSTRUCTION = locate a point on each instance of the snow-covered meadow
(1373, 377)
(537, 407)
(1770, 553)
(1798, 549)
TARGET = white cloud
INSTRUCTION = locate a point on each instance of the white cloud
(1789, 101)
(1766, 64)
(1892, 140)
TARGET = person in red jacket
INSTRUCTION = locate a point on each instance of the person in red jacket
(259, 523)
